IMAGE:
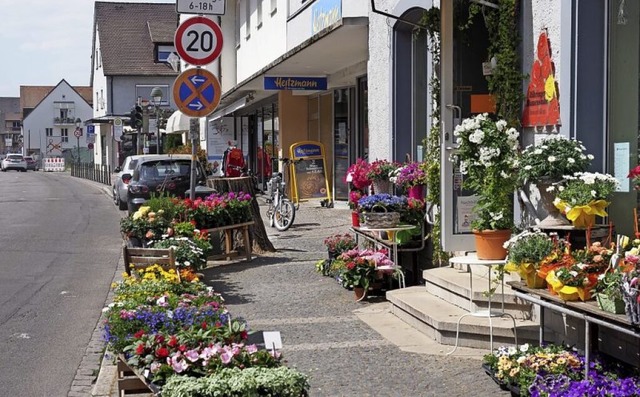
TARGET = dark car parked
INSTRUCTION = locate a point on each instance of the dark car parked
(161, 174)
(32, 163)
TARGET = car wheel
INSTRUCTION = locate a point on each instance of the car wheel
(122, 205)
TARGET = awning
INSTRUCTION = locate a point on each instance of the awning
(239, 104)
(178, 123)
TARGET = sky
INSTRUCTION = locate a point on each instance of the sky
(45, 41)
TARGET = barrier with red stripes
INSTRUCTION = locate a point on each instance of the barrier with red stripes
(53, 164)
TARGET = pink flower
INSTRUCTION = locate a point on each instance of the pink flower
(226, 357)
(251, 349)
(177, 363)
(192, 355)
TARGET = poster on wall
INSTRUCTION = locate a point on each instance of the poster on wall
(220, 133)
(541, 106)
(310, 172)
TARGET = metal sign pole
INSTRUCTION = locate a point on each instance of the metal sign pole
(193, 134)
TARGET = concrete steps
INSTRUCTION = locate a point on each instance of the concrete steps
(435, 309)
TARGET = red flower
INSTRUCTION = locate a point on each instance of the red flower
(634, 172)
(244, 335)
(173, 341)
(204, 325)
(140, 349)
(159, 339)
(182, 348)
(162, 353)
(139, 334)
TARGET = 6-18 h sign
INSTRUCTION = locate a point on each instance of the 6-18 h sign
(208, 7)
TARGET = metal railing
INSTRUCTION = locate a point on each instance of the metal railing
(93, 172)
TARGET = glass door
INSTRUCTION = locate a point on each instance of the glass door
(464, 93)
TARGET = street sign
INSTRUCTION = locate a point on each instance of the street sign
(91, 129)
(196, 92)
(78, 132)
(198, 41)
(209, 7)
(90, 146)
(117, 129)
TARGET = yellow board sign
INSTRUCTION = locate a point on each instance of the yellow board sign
(309, 171)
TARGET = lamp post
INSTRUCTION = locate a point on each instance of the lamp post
(156, 95)
(78, 134)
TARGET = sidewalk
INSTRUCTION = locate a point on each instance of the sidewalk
(346, 348)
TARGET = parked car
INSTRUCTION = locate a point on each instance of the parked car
(120, 185)
(14, 161)
(32, 163)
(160, 174)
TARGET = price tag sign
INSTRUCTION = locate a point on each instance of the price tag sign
(206, 7)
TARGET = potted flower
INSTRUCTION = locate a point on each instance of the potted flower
(354, 196)
(584, 195)
(338, 243)
(382, 210)
(570, 283)
(608, 290)
(487, 157)
(548, 163)
(411, 176)
(357, 174)
(379, 173)
(525, 253)
(359, 269)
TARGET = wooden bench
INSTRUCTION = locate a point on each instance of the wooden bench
(141, 258)
(132, 383)
(228, 239)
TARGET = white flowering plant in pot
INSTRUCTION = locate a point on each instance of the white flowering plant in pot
(487, 157)
(584, 195)
(552, 159)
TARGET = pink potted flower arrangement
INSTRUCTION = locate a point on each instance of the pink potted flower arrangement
(413, 177)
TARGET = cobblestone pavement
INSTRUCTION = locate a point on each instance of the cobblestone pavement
(321, 335)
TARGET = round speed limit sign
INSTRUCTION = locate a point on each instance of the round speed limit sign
(198, 41)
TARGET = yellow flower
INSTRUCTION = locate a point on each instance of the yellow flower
(142, 211)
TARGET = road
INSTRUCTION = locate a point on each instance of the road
(59, 249)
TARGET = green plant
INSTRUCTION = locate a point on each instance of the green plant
(358, 272)
(610, 284)
(190, 252)
(551, 160)
(529, 247)
(487, 157)
(381, 170)
(584, 187)
(234, 382)
(339, 243)
(163, 202)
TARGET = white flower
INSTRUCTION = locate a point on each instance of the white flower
(537, 151)
(551, 188)
(593, 193)
(500, 124)
(561, 188)
(477, 136)
(524, 348)
(590, 156)
(551, 159)
(458, 141)
(570, 160)
(527, 167)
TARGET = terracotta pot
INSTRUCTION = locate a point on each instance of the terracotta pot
(489, 243)
(416, 192)
(355, 219)
(359, 293)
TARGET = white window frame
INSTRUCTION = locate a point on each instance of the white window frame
(48, 132)
(64, 135)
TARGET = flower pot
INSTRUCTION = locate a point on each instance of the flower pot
(615, 306)
(416, 192)
(381, 186)
(489, 243)
(554, 217)
(355, 219)
(534, 281)
(359, 293)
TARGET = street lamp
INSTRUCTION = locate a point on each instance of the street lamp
(78, 134)
(156, 95)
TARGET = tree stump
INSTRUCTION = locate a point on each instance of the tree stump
(258, 234)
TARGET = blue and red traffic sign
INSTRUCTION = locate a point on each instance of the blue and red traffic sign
(196, 92)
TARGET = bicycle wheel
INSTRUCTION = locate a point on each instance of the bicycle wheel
(284, 214)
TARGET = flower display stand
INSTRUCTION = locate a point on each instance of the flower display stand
(243, 228)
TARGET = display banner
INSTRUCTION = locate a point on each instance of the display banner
(309, 174)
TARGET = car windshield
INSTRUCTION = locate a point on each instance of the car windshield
(14, 157)
(164, 168)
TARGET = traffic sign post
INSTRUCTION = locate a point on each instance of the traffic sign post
(198, 41)
(196, 92)
(78, 134)
(209, 7)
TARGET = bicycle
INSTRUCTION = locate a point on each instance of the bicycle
(281, 211)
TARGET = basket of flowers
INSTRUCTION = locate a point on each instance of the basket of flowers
(382, 211)
(570, 283)
(526, 252)
(608, 290)
(379, 173)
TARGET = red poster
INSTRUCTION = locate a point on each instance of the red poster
(542, 107)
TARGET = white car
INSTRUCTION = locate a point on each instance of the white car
(14, 161)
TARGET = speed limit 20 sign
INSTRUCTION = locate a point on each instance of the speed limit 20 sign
(198, 41)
